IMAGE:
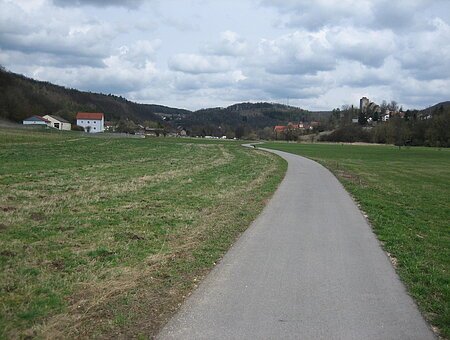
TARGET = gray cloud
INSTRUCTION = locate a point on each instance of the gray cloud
(377, 14)
(65, 42)
(99, 3)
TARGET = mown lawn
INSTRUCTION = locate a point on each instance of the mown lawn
(104, 237)
(406, 195)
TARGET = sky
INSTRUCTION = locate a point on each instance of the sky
(194, 54)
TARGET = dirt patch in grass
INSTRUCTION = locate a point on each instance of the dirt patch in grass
(8, 208)
(37, 216)
(7, 253)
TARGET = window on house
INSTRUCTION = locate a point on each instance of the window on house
(95, 128)
(88, 122)
(56, 125)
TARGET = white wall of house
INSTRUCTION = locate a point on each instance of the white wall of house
(57, 124)
(93, 125)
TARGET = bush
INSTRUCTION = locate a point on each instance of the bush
(77, 128)
(348, 134)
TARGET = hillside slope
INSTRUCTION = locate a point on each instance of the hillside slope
(21, 97)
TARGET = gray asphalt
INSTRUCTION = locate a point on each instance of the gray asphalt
(309, 267)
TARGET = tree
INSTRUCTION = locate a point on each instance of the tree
(393, 106)
(362, 119)
(126, 126)
(290, 133)
(239, 131)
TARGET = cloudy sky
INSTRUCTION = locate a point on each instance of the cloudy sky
(196, 53)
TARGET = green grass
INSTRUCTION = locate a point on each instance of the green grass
(104, 237)
(406, 195)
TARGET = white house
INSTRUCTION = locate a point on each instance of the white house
(36, 120)
(91, 122)
(58, 122)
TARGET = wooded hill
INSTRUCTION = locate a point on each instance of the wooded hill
(22, 97)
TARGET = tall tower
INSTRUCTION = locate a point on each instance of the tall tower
(363, 103)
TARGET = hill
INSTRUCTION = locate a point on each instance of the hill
(439, 106)
(21, 97)
(245, 117)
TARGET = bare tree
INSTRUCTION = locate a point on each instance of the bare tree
(393, 106)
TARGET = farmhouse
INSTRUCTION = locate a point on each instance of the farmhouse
(36, 120)
(91, 122)
(58, 122)
(279, 128)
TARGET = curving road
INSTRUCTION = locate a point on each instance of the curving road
(309, 267)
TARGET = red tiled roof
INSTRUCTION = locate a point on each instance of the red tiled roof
(280, 128)
(90, 115)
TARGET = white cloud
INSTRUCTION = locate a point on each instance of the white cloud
(198, 64)
(297, 53)
(229, 44)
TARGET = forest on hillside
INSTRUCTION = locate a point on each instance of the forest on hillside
(22, 97)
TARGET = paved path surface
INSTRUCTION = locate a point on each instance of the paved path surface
(308, 268)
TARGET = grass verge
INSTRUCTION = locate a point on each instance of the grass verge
(405, 193)
(104, 237)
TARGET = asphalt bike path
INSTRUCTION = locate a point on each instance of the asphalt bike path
(309, 267)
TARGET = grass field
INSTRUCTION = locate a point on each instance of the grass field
(104, 237)
(406, 195)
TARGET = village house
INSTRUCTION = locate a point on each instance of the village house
(279, 128)
(36, 120)
(110, 126)
(297, 126)
(91, 122)
(181, 131)
(57, 122)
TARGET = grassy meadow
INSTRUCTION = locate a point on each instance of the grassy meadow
(104, 237)
(406, 195)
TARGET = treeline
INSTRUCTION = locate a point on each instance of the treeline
(414, 129)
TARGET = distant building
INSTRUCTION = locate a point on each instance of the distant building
(279, 128)
(110, 126)
(92, 122)
(58, 122)
(363, 103)
(366, 106)
(181, 131)
(36, 120)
